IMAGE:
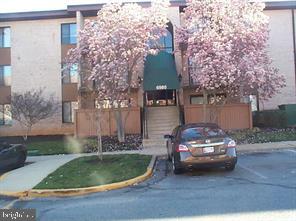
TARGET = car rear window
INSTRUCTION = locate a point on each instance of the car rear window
(200, 133)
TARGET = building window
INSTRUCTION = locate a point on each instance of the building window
(196, 99)
(107, 104)
(5, 75)
(211, 99)
(191, 69)
(70, 75)
(69, 34)
(69, 111)
(166, 42)
(5, 37)
(5, 114)
(217, 98)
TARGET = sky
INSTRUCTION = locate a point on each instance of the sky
(43, 5)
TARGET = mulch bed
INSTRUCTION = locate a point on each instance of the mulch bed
(110, 143)
(89, 145)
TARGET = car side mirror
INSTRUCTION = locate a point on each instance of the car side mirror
(167, 136)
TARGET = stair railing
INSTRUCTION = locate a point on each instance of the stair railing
(144, 123)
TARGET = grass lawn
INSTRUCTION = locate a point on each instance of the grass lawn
(90, 171)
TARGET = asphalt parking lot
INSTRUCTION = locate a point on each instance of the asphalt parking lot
(262, 187)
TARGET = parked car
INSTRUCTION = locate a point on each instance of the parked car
(12, 155)
(200, 145)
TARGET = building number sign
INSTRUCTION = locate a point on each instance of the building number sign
(161, 87)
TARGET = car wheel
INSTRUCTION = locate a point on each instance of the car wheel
(230, 167)
(176, 169)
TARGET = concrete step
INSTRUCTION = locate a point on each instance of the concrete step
(163, 121)
(160, 123)
(162, 129)
(162, 132)
(164, 113)
(154, 142)
(163, 108)
(156, 136)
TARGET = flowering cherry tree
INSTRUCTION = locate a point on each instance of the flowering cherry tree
(112, 47)
(226, 43)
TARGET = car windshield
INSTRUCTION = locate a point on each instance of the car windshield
(200, 133)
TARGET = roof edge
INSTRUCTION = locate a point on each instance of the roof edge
(91, 10)
(35, 15)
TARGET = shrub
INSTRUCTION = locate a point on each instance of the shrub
(270, 118)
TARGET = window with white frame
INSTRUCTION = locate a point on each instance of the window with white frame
(5, 114)
(69, 111)
(5, 37)
(5, 75)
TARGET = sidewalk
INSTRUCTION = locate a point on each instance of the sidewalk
(266, 146)
(39, 167)
(35, 170)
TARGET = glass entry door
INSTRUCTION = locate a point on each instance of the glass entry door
(160, 98)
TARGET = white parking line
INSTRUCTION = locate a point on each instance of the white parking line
(289, 150)
(253, 171)
(10, 204)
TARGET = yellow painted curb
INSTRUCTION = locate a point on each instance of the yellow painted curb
(14, 194)
(86, 190)
(2, 177)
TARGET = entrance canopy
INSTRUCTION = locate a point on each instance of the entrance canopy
(160, 72)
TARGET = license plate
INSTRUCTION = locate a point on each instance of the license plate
(208, 149)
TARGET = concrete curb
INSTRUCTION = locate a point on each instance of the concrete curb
(2, 177)
(244, 148)
(86, 190)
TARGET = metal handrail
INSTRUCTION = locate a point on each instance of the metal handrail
(145, 123)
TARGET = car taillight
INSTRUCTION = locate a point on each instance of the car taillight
(231, 144)
(182, 148)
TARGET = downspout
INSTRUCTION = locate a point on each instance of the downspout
(294, 42)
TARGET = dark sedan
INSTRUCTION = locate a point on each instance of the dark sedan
(199, 145)
(12, 155)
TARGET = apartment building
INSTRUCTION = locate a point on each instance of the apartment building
(34, 44)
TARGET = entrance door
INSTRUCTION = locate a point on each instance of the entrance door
(160, 98)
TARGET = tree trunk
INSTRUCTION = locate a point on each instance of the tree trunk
(204, 106)
(120, 126)
(215, 110)
(129, 81)
(25, 137)
(99, 136)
